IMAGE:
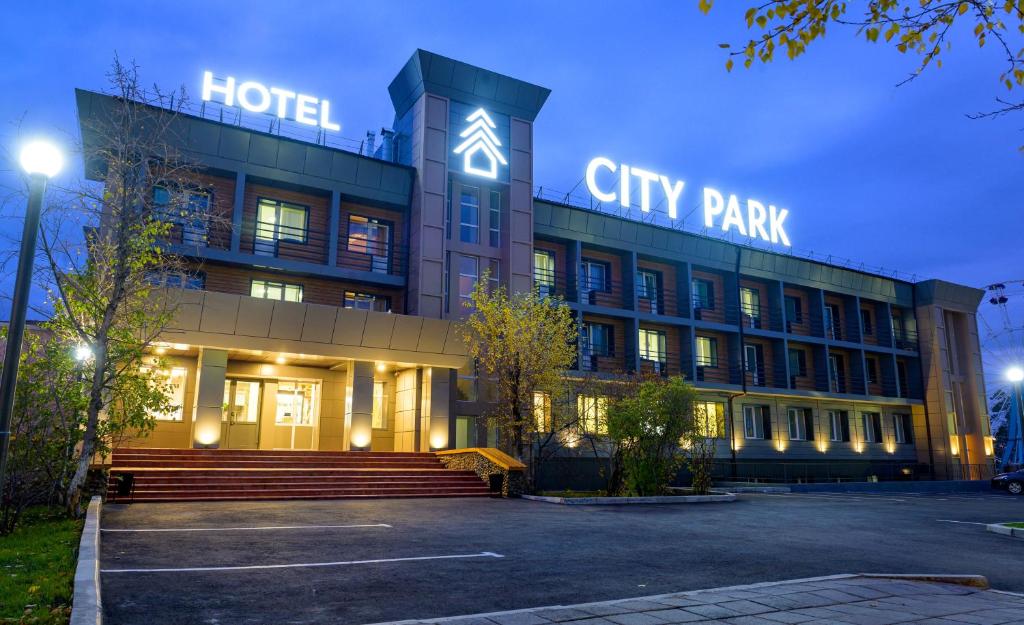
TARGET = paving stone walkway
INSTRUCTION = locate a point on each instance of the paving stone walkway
(837, 599)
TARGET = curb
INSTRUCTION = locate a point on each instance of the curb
(963, 580)
(1005, 530)
(618, 501)
(86, 607)
(974, 581)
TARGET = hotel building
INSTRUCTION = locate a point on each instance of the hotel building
(321, 316)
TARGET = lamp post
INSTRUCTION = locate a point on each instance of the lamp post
(41, 161)
(1014, 452)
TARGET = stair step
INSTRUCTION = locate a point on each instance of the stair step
(221, 475)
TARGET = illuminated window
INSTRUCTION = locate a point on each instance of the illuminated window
(295, 403)
(647, 287)
(268, 289)
(369, 236)
(839, 426)
(173, 383)
(379, 421)
(542, 411)
(594, 276)
(710, 418)
(653, 346)
(592, 411)
(367, 301)
(544, 271)
(750, 305)
(279, 221)
(707, 351)
(469, 215)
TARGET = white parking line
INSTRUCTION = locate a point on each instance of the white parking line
(961, 522)
(482, 554)
(243, 529)
(845, 497)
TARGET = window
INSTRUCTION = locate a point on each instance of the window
(189, 211)
(757, 422)
(801, 424)
(268, 289)
(469, 273)
(871, 369)
(872, 423)
(172, 382)
(295, 403)
(647, 287)
(466, 385)
(866, 322)
(838, 426)
(901, 377)
(902, 428)
(596, 339)
(369, 236)
(750, 305)
(707, 351)
(493, 274)
(794, 310)
(797, 362)
(469, 215)
(710, 418)
(367, 301)
(494, 219)
(832, 322)
(836, 373)
(703, 294)
(177, 280)
(593, 276)
(592, 412)
(542, 411)
(753, 357)
(653, 346)
(379, 419)
(279, 221)
(544, 271)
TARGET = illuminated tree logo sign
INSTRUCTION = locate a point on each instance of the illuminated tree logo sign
(479, 137)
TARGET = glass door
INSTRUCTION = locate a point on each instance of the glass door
(296, 415)
(240, 418)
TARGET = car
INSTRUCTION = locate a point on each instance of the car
(1012, 481)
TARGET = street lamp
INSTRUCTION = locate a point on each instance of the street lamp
(1015, 374)
(41, 160)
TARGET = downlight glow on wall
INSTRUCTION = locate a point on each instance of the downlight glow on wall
(479, 138)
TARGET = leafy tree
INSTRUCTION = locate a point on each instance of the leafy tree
(648, 427)
(107, 292)
(524, 343)
(917, 27)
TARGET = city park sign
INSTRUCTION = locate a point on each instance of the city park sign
(259, 98)
(749, 219)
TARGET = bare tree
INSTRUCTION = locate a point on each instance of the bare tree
(110, 292)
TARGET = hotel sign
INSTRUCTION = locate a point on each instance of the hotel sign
(750, 218)
(259, 98)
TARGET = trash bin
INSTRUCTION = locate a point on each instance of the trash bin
(495, 481)
(125, 485)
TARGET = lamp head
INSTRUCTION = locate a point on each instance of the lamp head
(1015, 374)
(41, 157)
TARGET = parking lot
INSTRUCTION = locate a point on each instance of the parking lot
(347, 562)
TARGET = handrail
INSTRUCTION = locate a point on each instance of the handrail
(496, 456)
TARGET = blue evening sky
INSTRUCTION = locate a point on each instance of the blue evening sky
(891, 176)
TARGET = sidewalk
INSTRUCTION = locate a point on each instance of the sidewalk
(838, 599)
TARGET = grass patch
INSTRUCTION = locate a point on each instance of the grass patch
(37, 568)
(1019, 526)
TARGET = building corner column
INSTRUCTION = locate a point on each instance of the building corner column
(358, 406)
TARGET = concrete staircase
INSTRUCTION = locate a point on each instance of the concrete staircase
(235, 474)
